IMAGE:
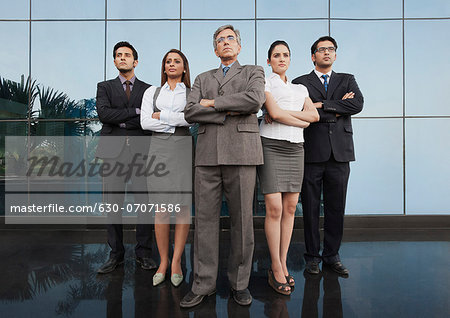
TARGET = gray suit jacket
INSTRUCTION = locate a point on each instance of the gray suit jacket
(225, 139)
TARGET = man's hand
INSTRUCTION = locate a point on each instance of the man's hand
(268, 119)
(318, 104)
(348, 95)
(156, 115)
(207, 102)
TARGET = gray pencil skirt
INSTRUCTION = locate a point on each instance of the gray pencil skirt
(282, 170)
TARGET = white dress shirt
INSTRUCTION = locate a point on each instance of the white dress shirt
(170, 103)
(321, 78)
(288, 96)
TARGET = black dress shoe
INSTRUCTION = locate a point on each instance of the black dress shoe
(110, 265)
(146, 263)
(339, 268)
(242, 297)
(191, 299)
(312, 268)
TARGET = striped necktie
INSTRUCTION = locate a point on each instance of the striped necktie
(325, 83)
(225, 70)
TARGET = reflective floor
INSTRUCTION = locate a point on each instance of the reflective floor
(393, 273)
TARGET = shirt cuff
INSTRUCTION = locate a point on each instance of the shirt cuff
(164, 117)
(122, 125)
(138, 111)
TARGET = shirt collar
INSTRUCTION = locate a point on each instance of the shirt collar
(123, 79)
(275, 75)
(179, 85)
(319, 75)
(227, 65)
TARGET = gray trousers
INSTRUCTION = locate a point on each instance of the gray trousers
(238, 185)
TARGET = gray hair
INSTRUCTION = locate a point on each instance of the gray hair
(224, 27)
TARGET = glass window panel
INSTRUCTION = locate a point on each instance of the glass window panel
(8, 129)
(151, 49)
(70, 67)
(68, 9)
(428, 9)
(60, 128)
(14, 70)
(216, 9)
(366, 9)
(200, 51)
(372, 51)
(12, 128)
(143, 9)
(14, 56)
(376, 177)
(292, 9)
(17, 9)
(427, 166)
(63, 128)
(300, 35)
(427, 67)
(93, 128)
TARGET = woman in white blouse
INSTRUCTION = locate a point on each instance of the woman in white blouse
(288, 110)
(162, 112)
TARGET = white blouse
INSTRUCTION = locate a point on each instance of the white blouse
(288, 96)
(170, 103)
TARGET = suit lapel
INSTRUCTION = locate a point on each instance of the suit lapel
(233, 71)
(335, 80)
(118, 87)
(315, 81)
(135, 91)
(219, 75)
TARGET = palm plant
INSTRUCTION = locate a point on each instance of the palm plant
(23, 93)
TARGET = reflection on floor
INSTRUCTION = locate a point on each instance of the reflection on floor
(52, 274)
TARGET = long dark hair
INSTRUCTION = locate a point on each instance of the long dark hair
(186, 77)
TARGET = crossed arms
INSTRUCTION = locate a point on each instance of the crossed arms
(247, 101)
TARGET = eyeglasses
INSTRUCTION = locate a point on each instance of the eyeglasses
(230, 38)
(322, 49)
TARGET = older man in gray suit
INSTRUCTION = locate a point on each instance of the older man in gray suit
(224, 101)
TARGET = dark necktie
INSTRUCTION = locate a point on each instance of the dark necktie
(128, 89)
(325, 83)
(225, 70)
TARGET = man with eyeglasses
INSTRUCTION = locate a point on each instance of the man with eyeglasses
(224, 101)
(328, 151)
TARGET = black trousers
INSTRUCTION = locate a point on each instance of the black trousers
(114, 189)
(332, 176)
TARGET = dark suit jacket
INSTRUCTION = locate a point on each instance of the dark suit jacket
(225, 139)
(114, 108)
(331, 135)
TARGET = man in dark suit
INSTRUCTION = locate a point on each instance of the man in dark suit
(328, 151)
(118, 107)
(225, 101)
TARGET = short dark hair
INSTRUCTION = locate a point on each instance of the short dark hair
(323, 38)
(274, 44)
(186, 77)
(125, 44)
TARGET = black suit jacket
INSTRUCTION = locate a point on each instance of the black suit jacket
(114, 108)
(331, 134)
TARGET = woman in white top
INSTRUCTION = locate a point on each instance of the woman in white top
(289, 110)
(162, 112)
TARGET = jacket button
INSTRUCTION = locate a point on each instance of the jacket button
(330, 132)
